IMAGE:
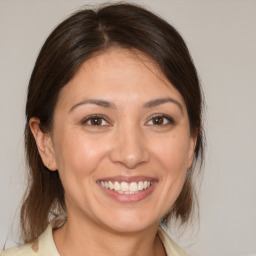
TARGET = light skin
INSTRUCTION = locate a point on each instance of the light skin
(118, 118)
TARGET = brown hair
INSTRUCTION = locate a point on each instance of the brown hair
(71, 43)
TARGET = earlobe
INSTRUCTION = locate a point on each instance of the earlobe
(44, 144)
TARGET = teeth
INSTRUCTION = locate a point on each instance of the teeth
(116, 186)
(133, 187)
(126, 188)
(140, 185)
(106, 185)
(111, 186)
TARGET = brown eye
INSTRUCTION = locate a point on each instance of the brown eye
(158, 120)
(95, 121)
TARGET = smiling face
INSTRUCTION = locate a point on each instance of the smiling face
(121, 142)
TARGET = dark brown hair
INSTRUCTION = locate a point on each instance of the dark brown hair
(74, 41)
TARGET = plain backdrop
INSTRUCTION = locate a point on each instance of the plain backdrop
(221, 36)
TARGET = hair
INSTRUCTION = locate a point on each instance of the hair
(77, 39)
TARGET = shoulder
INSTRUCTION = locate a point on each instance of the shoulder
(25, 250)
(44, 245)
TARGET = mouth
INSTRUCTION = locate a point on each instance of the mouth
(127, 189)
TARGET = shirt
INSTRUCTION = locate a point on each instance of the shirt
(45, 246)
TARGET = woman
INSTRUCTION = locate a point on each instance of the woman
(112, 137)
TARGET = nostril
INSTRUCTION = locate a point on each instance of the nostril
(129, 155)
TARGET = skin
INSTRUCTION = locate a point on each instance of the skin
(128, 143)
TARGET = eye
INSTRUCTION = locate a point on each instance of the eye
(95, 120)
(161, 120)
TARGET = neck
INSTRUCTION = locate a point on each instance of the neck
(76, 238)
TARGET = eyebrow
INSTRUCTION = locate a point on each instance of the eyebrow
(98, 102)
(157, 102)
(107, 104)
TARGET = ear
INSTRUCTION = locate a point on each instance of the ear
(44, 144)
(192, 145)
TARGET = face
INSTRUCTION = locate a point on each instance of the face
(121, 142)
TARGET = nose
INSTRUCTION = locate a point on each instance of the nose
(129, 148)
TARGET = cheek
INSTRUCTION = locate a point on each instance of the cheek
(78, 155)
(171, 156)
(172, 153)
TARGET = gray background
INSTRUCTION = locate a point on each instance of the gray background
(222, 39)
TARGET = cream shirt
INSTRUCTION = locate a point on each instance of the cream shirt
(45, 246)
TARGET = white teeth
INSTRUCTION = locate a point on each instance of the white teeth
(106, 184)
(111, 186)
(133, 187)
(116, 186)
(126, 188)
(140, 185)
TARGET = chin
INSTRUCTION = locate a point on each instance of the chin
(131, 223)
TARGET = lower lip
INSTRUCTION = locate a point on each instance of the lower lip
(128, 198)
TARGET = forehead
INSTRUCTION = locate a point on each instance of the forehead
(117, 73)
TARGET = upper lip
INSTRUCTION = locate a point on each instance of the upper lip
(128, 179)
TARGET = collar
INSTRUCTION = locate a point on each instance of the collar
(47, 246)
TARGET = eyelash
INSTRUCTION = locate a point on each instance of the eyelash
(97, 116)
(162, 118)
(167, 120)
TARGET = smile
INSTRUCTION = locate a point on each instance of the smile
(125, 187)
